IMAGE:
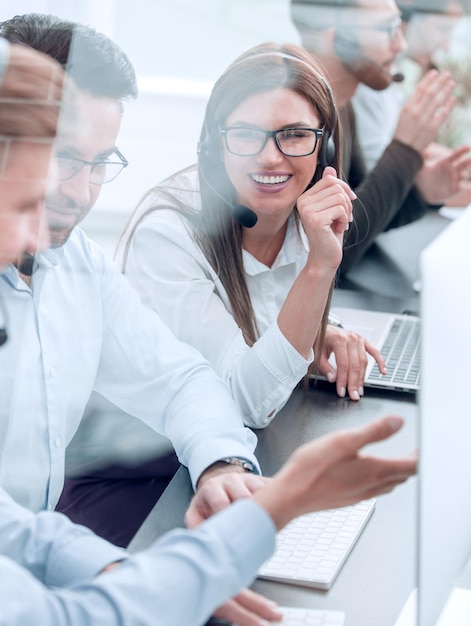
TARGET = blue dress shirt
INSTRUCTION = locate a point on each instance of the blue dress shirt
(180, 580)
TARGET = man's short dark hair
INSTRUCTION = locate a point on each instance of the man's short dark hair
(93, 60)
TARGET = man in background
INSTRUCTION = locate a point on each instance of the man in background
(359, 41)
(428, 27)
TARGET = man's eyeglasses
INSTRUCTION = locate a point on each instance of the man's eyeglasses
(295, 142)
(391, 27)
(101, 172)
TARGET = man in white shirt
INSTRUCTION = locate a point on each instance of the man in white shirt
(76, 325)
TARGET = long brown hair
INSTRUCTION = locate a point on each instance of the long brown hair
(262, 68)
(265, 67)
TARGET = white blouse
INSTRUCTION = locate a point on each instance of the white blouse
(174, 278)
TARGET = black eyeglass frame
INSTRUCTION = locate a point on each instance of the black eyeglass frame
(123, 162)
(318, 134)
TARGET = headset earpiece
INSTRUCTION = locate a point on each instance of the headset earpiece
(327, 150)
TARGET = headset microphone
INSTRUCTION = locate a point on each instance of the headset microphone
(398, 77)
(361, 69)
(244, 216)
(240, 213)
(350, 52)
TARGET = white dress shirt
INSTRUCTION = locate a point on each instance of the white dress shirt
(174, 278)
(48, 567)
(82, 328)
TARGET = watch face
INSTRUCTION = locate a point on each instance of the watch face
(246, 465)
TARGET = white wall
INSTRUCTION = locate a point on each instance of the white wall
(179, 48)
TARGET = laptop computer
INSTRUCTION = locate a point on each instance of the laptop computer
(396, 336)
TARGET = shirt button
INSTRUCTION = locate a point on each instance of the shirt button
(50, 507)
(52, 372)
(57, 443)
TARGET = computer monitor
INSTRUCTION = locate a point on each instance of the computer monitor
(444, 521)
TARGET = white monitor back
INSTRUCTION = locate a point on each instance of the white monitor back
(445, 418)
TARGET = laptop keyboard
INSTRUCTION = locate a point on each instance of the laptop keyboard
(401, 351)
(309, 617)
(311, 550)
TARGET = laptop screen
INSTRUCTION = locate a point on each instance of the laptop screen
(444, 527)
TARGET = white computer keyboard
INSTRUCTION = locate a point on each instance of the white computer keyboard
(311, 550)
(309, 617)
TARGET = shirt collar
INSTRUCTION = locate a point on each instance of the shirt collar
(50, 258)
(46, 260)
(295, 240)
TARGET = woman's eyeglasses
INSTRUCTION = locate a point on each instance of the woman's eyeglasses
(246, 141)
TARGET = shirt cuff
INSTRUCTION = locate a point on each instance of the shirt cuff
(214, 451)
(281, 358)
(247, 531)
(247, 518)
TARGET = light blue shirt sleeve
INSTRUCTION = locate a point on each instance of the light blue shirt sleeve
(55, 551)
(4, 56)
(180, 579)
(173, 397)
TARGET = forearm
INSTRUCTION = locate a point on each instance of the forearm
(166, 383)
(413, 208)
(301, 314)
(263, 376)
(382, 197)
(56, 551)
(181, 579)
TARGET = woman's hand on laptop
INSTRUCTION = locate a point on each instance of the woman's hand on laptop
(350, 350)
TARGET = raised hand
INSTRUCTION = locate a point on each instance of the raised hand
(331, 472)
(443, 177)
(426, 110)
(326, 212)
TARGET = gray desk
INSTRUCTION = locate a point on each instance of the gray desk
(378, 576)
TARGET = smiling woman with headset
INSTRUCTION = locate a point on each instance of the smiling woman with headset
(240, 254)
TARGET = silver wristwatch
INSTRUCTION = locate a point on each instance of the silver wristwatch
(243, 463)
